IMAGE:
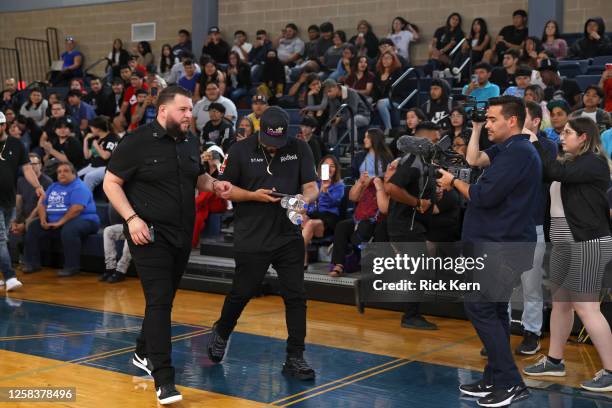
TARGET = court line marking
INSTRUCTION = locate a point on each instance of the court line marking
(94, 357)
(403, 363)
(70, 333)
(338, 380)
(91, 309)
(408, 359)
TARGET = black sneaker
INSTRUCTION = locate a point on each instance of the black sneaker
(116, 277)
(478, 389)
(483, 352)
(168, 394)
(417, 323)
(504, 397)
(216, 346)
(296, 366)
(143, 363)
(107, 274)
(530, 344)
(67, 272)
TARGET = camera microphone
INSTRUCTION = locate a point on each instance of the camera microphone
(419, 146)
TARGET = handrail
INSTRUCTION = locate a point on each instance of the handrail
(397, 82)
(95, 64)
(408, 98)
(456, 47)
(350, 129)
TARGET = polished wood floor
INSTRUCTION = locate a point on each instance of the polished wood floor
(376, 331)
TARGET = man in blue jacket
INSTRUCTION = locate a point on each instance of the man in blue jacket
(500, 211)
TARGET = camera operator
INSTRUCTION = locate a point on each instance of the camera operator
(503, 200)
(411, 192)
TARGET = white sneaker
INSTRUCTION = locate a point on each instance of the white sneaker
(13, 284)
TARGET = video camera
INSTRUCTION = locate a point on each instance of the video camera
(476, 111)
(438, 155)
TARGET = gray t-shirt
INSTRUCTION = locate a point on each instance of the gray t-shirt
(28, 195)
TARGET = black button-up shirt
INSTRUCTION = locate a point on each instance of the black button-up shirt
(264, 226)
(160, 175)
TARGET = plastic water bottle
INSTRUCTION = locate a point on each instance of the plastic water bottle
(293, 203)
(295, 217)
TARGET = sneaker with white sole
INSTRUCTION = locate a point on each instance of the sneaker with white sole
(530, 344)
(601, 383)
(478, 389)
(545, 368)
(504, 397)
(168, 394)
(12, 284)
(143, 363)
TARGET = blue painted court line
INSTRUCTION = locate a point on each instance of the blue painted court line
(251, 369)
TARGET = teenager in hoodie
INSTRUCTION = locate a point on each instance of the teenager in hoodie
(595, 43)
(440, 103)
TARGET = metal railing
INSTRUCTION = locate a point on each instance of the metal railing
(34, 58)
(397, 83)
(10, 66)
(350, 132)
(53, 43)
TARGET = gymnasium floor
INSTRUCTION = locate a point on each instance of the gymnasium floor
(77, 332)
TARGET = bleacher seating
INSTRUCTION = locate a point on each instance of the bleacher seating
(586, 80)
(570, 69)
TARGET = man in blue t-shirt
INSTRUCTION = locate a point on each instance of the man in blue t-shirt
(480, 87)
(68, 212)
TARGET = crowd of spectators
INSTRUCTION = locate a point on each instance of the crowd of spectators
(71, 139)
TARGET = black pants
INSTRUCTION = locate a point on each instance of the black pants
(160, 267)
(487, 309)
(411, 309)
(342, 239)
(492, 323)
(288, 261)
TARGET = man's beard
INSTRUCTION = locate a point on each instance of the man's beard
(174, 129)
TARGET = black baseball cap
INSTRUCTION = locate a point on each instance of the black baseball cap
(259, 98)
(216, 106)
(385, 41)
(273, 127)
(213, 29)
(62, 122)
(137, 74)
(309, 121)
(548, 64)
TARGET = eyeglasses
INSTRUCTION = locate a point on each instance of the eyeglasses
(567, 132)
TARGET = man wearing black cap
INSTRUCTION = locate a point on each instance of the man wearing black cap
(218, 129)
(556, 87)
(308, 125)
(258, 166)
(150, 181)
(387, 45)
(259, 105)
(62, 146)
(337, 95)
(216, 47)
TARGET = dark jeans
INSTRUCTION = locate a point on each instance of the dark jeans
(6, 216)
(71, 234)
(288, 261)
(492, 323)
(160, 267)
